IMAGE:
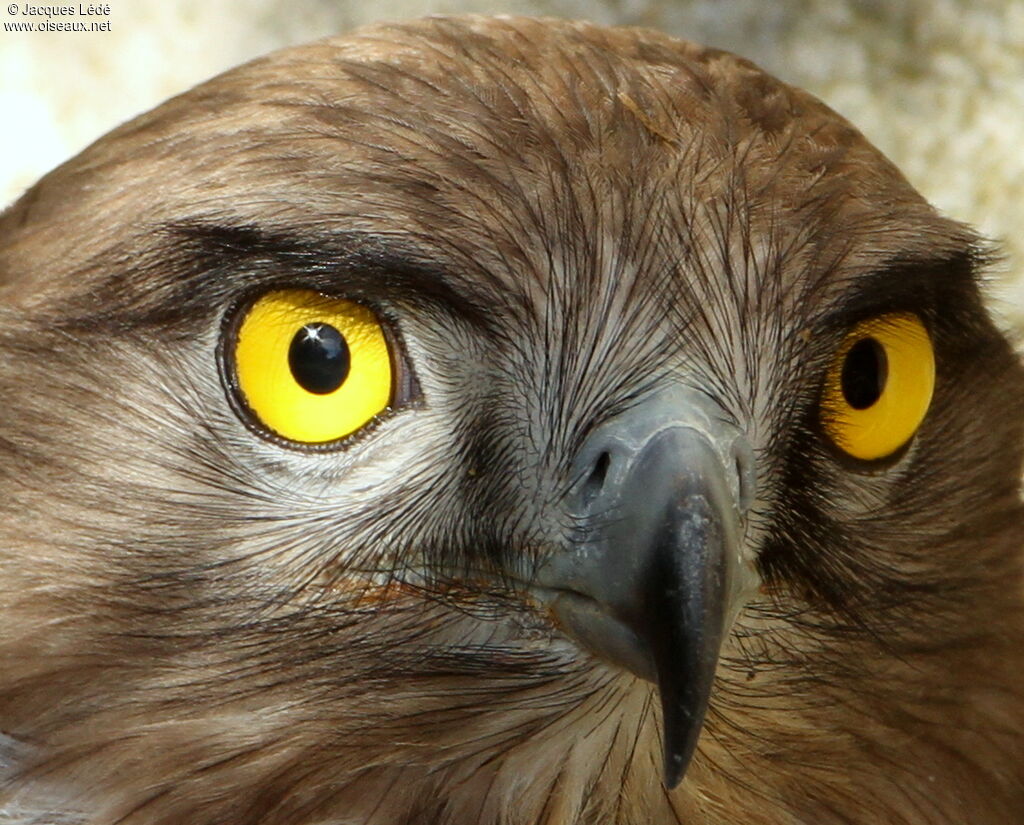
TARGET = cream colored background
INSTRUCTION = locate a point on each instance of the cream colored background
(937, 84)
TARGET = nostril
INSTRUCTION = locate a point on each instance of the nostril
(594, 484)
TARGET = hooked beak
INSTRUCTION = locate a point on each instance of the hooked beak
(653, 574)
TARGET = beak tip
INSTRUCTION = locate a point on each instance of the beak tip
(675, 768)
(678, 754)
(682, 721)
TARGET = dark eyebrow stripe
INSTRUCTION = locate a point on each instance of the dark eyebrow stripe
(908, 284)
(196, 268)
(359, 264)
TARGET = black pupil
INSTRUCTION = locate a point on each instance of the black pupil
(319, 358)
(864, 373)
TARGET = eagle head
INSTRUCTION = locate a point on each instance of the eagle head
(503, 421)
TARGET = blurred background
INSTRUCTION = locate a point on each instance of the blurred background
(938, 85)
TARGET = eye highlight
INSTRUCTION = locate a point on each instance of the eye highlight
(879, 386)
(311, 368)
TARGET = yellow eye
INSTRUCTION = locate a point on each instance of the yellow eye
(311, 368)
(879, 386)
